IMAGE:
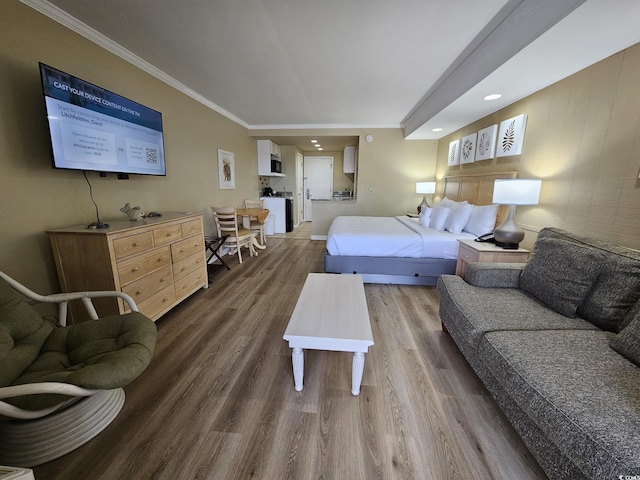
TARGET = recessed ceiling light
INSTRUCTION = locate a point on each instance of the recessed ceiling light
(493, 96)
(321, 148)
(437, 129)
(318, 145)
(314, 141)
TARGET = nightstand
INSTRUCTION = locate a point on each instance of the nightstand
(471, 251)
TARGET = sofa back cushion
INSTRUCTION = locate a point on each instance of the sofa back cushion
(627, 342)
(617, 288)
(22, 334)
(560, 273)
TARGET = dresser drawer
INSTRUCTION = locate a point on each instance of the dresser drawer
(156, 303)
(123, 247)
(191, 228)
(188, 265)
(168, 234)
(133, 268)
(146, 286)
(190, 283)
(187, 247)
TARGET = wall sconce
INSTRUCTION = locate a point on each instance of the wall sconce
(425, 188)
(513, 192)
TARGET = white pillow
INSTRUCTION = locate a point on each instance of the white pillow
(458, 218)
(424, 217)
(439, 217)
(447, 202)
(483, 219)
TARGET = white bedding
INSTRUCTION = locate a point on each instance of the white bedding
(390, 237)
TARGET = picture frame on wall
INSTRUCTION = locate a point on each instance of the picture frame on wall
(454, 153)
(511, 136)
(226, 170)
(468, 148)
(486, 143)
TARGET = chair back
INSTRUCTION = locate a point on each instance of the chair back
(226, 220)
(253, 203)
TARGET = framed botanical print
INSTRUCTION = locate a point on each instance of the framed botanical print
(468, 148)
(226, 170)
(454, 153)
(511, 136)
(486, 143)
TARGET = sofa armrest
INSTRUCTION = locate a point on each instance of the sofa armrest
(494, 275)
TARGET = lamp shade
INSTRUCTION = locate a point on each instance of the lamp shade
(516, 191)
(425, 187)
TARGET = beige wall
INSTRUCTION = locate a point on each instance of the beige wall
(583, 140)
(35, 197)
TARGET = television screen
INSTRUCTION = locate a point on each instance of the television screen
(94, 129)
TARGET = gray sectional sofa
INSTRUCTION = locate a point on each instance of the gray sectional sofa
(556, 341)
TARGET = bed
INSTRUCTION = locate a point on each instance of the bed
(398, 250)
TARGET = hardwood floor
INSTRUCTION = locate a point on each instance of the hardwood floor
(217, 401)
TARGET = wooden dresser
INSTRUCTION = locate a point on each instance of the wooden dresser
(157, 261)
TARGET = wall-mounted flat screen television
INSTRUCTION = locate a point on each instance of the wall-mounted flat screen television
(94, 129)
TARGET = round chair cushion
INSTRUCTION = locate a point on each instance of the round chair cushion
(99, 354)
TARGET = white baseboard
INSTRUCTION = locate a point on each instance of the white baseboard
(318, 237)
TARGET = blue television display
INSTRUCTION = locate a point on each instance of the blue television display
(94, 129)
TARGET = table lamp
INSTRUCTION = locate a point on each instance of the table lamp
(425, 188)
(512, 192)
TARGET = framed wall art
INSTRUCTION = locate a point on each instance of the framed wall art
(486, 143)
(226, 170)
(454, 153)
(468, 148)
(511, 136)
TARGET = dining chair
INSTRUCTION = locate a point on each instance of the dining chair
(255, 224)
(227, 224)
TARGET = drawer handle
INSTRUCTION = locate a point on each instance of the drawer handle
(169, 234)
(164, 299)
(159, 259)
(197, 244)
(182, 250)
(198, 261)
(136, 244)
(139, 292)
(135, 269)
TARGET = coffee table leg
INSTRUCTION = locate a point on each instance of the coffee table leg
(356, 372)
(297, 358)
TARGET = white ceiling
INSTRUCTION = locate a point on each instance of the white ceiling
(300, 64)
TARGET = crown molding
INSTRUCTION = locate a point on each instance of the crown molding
(63, 18)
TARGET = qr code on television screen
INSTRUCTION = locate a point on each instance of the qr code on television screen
(152, 155)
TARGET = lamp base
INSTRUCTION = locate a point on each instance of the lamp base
(508, 246)
(424, 204)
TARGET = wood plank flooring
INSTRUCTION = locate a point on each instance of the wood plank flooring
(217, 401)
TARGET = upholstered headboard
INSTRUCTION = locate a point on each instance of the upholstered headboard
(476, 189)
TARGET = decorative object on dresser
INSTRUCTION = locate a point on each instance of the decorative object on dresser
(425, 188)
(135, 214)
(471, 251)
(517, 191)
(158, 261)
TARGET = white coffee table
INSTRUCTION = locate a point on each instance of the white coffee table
(331, 314)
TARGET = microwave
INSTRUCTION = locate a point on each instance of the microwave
(276, 164)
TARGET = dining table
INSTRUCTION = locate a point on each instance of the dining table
(260, 214)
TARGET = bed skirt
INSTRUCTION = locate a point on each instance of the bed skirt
(394, 270)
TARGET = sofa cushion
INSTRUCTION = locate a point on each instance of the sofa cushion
(560, 273)
(472, 311)
(627, 342)
(99, 354)
(617, 287)
(578, 390)
(22, 334)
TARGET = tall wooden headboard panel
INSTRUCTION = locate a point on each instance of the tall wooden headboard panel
(476, 189)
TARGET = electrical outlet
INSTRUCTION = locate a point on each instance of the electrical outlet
(370, 190)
